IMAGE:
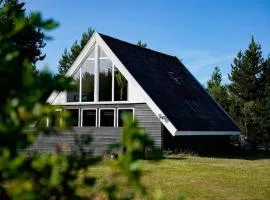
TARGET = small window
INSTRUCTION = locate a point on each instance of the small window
(89, 118)
(120, 114)
(74, 117)
(106, 117)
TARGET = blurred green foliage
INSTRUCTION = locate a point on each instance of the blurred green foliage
(23, 115)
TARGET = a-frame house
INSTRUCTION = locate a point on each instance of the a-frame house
(114, 76)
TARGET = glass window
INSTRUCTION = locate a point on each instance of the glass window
(102, 53)
(120, 115)
(74, 116)
(120, 86)
(88, 78)
(105, 80)
(89, 118)
(73, 96)
(86, 74)
(92, 54)
(106, 117)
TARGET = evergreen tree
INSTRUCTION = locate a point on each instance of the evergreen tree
(65, 62)
(142, 44)
(30, 41)
(68, 57)
(266, 103)
(248, 91)
(246, 74)
(217, 90)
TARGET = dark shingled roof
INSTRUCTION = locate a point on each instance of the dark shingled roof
(172, 87)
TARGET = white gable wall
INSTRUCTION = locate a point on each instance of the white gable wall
(134, 94)
(60, 99)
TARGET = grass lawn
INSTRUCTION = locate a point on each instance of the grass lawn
(204, 178)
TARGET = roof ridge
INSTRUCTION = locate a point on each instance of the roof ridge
(151, 50)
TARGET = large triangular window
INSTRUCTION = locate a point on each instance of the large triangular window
(97, 79)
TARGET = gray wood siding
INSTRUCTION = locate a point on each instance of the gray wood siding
(71, 140)
(102, 137)
(148, 120)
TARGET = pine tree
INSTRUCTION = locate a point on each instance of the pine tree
(266, 104)
(64, 62)
(248, 89)
(30, 41)
(68, 57)
(246, 74)
(217, 90)
(142, 44)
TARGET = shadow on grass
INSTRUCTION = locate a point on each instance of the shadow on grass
(236, 153)
(228, 152)
(175, 157)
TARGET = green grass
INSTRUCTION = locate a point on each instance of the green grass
(204, 178)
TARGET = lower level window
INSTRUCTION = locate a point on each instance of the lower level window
(74, 117)
(89, 118)
(120, 115)
(106, 117)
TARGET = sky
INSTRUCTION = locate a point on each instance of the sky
(202, 33)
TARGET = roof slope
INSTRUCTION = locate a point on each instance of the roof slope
(172, 87)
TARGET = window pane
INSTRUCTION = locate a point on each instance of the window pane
(106, 117)
(102, 53)
(120, 86)
(105, 80)
(89, 118)
(74, 116)
(120, 115)
(92, 54)
(88, 76)
(73, 96)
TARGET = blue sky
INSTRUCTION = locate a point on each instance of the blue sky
(203, 34)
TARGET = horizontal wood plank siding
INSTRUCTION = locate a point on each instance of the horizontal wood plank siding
(149, 121)
(102, 137)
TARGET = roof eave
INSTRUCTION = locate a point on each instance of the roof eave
(205, 133)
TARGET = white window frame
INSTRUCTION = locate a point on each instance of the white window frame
(79, 115)
(82, 116)
(113, 67)
(124, 108)
(100, 58)
(114, 116)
